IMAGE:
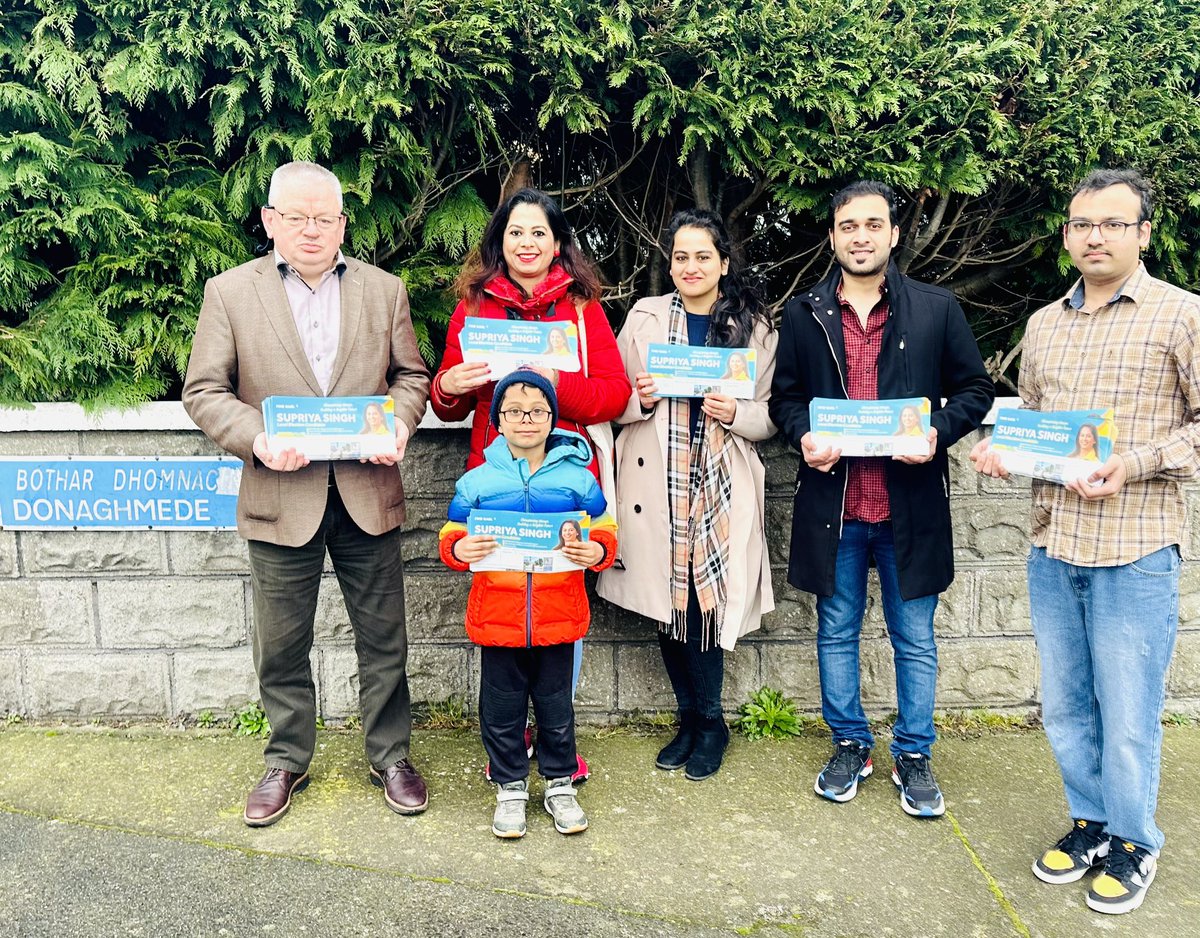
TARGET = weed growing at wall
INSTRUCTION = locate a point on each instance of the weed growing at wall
(768, 714)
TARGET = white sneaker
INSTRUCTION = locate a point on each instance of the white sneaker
(509, 818)
(562, 803)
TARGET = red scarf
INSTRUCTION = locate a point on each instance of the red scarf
(545, 294)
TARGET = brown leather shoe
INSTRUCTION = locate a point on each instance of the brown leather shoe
(403, 788)
(270, 799)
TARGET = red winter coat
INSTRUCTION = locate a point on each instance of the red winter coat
(598, 398)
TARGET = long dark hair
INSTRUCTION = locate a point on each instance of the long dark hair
(488, 259)
(1091, 428)
(739, 307)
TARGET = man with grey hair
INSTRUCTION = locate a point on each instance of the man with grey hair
(1104, 566)
(307, 321)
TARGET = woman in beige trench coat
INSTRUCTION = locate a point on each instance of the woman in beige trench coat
(693, 554)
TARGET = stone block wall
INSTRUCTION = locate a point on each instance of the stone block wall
(137, 625)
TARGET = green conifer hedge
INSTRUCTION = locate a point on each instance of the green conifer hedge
(136, 140)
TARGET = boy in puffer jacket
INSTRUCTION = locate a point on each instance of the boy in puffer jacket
(527, 623)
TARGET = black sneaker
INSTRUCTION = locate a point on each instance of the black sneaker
(1127, 875)
(919, 793)
(850, 763)
(1070, 859)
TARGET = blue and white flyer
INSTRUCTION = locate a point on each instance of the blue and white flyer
(696, 370)
(530, 543)
(331, 427)
(894, 427)
(509, 344)
(1058, 446)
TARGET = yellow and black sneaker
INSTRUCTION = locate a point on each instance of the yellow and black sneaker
(1127, 875)
(1070, 859)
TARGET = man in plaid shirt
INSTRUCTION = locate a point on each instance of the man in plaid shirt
(1104, 565)
(867, 332)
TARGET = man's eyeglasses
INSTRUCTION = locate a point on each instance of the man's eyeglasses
(516, 415)
(296, 220)
(1109, 230)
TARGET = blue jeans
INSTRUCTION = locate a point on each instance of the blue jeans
(910, 627)
(1105, 637)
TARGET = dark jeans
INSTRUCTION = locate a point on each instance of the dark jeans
(508, 678)
(285, 581)
(696, 676)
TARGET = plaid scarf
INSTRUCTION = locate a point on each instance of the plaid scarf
(698, 493)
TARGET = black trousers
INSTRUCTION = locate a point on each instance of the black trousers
(285, 581)
(509, 678)
(696, 676)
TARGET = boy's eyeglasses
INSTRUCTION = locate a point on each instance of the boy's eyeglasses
(516, 415)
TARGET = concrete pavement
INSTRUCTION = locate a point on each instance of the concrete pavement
(139, 832)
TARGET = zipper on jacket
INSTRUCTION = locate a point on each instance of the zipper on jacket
(846, 391)
(528, 589)
(908, 385)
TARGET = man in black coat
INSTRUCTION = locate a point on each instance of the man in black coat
(867, 332)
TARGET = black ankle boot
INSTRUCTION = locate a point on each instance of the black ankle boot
(712, 736)
(675, 754)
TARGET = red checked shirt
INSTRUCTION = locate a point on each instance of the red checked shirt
(866, 483)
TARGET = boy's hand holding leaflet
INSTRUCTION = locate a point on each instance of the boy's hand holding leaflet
(584, 553)
(474, 547)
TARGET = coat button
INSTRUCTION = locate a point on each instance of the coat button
(827, 526)
(637, 510)
(641, 462)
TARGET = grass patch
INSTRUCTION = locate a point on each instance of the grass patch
(979, 722)
(448, 714)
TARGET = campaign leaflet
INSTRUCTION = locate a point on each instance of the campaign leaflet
(331, 427)
(509, 344)
(1058, 446)
(894, 427)
(530, 543)
(696, 370)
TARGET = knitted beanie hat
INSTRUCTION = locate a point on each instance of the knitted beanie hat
(531, 378)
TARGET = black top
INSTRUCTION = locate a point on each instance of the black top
(697, 327)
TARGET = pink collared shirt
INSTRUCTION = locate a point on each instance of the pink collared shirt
(317, 314)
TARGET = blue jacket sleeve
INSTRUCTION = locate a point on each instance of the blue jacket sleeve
(463, 501)
(593, 501)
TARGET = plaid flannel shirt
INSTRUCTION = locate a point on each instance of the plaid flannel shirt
(1140, 354)
(866, 481)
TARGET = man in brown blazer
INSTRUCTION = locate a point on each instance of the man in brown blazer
(306, 321)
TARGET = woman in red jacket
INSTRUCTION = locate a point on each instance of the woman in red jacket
(528, 266)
